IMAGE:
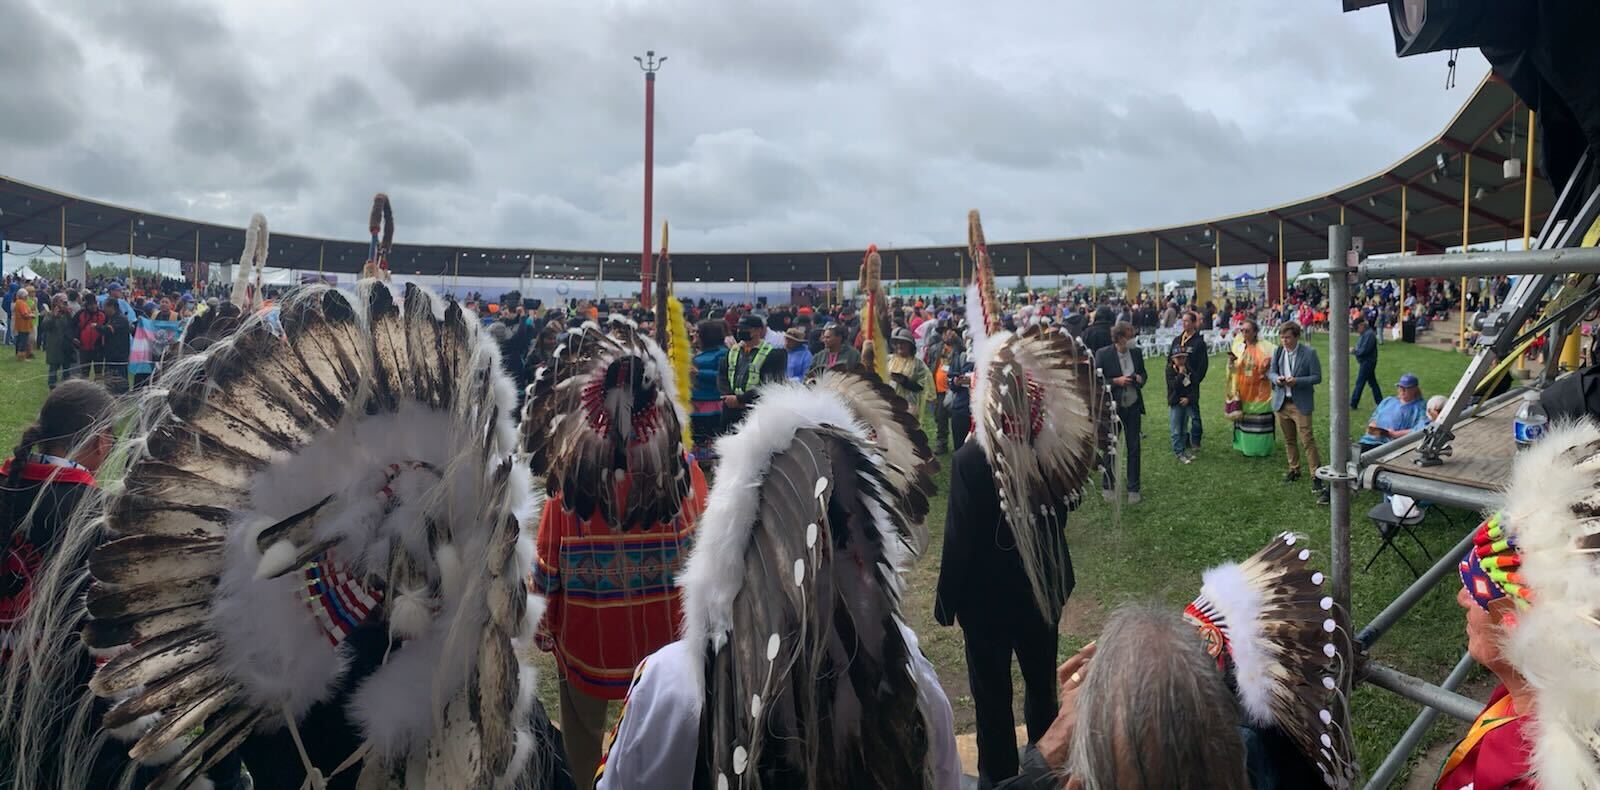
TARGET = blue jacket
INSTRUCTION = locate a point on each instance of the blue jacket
(1307, 375)
(1366, 349)
(703, 387)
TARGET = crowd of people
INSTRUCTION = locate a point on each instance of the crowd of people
(627, 636)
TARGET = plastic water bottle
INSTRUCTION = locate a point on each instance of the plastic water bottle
(1530, 420)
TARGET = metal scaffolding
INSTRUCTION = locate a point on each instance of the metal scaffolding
(1556, 254)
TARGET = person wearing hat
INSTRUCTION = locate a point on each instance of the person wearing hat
(794, 341)
(909, 377)
(1397, 415)
(836, 353)
(750, 363)
(114, 301)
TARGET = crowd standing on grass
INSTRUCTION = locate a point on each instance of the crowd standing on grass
(1080, 723)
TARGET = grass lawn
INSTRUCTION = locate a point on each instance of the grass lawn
(1223, 507)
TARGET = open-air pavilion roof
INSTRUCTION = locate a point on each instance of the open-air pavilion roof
(1482, 129)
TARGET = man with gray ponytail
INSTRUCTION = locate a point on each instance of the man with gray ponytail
(1143, 707)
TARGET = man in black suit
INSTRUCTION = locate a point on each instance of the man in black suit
(982, 584)
(1193, 343)
(1122, 365)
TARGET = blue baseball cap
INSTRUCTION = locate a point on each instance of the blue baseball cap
(1408, 380)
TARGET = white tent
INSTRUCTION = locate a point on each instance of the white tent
(27, 274)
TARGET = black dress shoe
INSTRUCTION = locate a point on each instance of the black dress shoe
(1291, 476)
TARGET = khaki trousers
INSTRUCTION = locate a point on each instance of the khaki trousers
(583, 726)
(1296, 427)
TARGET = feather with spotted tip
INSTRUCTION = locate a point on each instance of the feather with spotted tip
(1274, 630)
(792, 594)
(908, 460)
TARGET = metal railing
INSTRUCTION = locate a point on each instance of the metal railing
(1556, 254)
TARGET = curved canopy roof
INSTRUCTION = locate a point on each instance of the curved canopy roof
(36, 215)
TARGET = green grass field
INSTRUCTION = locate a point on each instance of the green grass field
(1223, 507)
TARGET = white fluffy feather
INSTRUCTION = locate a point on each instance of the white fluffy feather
(1232, 595)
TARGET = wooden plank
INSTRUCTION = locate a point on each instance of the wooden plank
(1481, 453)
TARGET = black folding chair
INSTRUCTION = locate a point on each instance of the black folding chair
(1392, 525)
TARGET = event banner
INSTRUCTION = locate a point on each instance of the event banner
(150, 341)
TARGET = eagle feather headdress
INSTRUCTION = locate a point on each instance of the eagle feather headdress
(1273, 629)
(605, 407)
(1043, 416)
(1551, 513)
(792, 595)
(351, 464)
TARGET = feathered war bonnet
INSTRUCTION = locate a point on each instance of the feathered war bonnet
(604, 408)
(1044, 418)
(349, 464)
(1285, 650)
(792, 592)
(1541, 552)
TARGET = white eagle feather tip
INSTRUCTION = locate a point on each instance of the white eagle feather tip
(1239, 602)
(276, 560)
(713, 574)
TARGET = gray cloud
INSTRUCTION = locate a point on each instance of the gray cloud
(462, 69)
(43, 110)
(779, 125)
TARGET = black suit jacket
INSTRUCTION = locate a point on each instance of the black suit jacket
(1111, 367)
(981, 581)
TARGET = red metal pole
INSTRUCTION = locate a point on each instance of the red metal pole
(649, 168)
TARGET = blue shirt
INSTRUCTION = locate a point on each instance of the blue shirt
(1392, 415)
(799, 362)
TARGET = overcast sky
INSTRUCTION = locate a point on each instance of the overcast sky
(779, 125)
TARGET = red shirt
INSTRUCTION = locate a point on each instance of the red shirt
(613, 596)
(1495, 754)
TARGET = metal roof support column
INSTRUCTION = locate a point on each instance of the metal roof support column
(64, 244)
(1527, 188)
(1094, 271)
(455, 278)
(1132, 294)
(749, 287)
(1466, 239)
(827, 268)
(961, 270)
(1283, 268)
(1027, 255)
(130, 251)
(322, 252)
(197, 256)
(1202, 275)
(1405, 216)
(1158, 270)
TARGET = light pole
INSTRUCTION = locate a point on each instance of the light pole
(649, 64)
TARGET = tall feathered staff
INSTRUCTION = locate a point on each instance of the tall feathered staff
(381, 221)
(1275, 633)
(672, 331)
(875, 315)
(351, 465)
(247, 282)
(1044, 418)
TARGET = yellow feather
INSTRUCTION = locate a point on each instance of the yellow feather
(679, 354)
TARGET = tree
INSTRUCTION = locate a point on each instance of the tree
(1305, 268)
